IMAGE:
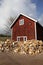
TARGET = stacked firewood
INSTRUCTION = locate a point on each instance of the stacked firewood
(29, 47)
(22, 47)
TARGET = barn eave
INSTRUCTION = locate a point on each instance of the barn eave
(18, 17)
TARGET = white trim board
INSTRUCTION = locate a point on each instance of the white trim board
(11, 33)
(35, 32)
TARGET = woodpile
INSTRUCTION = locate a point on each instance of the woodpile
(31, 47)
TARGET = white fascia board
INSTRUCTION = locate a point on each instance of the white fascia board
(23, 15)
(14, 21)
(29, 17)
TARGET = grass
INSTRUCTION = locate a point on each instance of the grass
(4, 38)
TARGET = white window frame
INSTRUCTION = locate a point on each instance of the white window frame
(21, 22)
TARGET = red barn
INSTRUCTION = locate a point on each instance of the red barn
(25, 28)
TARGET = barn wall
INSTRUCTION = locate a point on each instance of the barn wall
(28, 29)
(39, 31)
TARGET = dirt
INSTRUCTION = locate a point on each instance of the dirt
(17, 59)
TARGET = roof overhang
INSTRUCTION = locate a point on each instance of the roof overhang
(23, 15)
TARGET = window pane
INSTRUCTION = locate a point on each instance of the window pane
(21, 22)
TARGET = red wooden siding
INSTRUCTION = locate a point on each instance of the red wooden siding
(28, 29)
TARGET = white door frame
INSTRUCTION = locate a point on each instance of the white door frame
(24, 37)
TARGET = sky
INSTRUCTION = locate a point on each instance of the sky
(8, 8)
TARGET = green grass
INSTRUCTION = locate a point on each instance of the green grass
(4, 38)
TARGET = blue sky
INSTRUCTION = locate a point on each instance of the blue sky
(39, 4)
(32, 8)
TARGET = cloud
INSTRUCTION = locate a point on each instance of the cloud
(41, 19)
(24, 6)
(13, 7)
(4, 14)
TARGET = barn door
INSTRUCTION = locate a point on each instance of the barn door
(21, 38)
(18, 38)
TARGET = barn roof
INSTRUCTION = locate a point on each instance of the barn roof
(22, 15)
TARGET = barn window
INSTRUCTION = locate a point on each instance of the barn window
(21, 22)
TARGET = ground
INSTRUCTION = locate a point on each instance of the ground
(10, 58)
(16, 59)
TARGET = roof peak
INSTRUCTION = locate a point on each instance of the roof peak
(28, 17)
(22, 15)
